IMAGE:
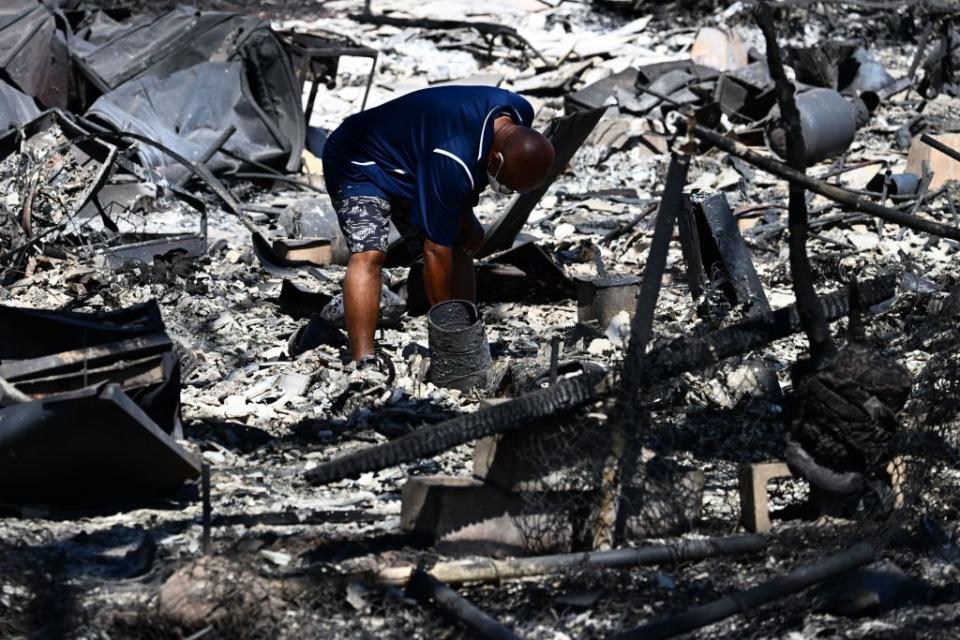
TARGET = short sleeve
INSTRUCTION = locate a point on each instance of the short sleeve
(444, 189)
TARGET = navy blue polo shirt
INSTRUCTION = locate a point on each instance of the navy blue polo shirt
(428, 147)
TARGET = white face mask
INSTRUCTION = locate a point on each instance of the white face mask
(495, 184)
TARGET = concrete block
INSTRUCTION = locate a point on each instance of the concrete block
(754, 507)
(518, 460)
(465, 515)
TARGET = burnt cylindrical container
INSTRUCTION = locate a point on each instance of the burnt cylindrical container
(459, 352)
(828, 122)
(601, 299)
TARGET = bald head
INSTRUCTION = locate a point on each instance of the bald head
(527, 155)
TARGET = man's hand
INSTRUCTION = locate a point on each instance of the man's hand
(471, 233)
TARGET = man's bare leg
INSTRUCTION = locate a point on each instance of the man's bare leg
(464, 277)
(361, 300)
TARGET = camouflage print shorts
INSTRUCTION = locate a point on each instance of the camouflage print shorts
(365, 222)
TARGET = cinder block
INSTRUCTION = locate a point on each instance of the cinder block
(518, 460)
(464, 515)
(754, 507)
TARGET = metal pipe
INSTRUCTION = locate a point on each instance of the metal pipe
(779, 587)
(489, 569)
(425, 588)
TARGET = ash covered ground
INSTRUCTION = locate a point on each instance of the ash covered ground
(282, 550)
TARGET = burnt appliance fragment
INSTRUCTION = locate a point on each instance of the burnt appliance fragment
(95, 409)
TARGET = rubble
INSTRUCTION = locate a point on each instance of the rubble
(188, 450)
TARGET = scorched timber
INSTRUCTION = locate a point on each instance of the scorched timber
(682, 355)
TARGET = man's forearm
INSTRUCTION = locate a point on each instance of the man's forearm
(438, 273)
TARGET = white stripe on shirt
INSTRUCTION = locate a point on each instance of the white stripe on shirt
(483, 130)
(462, 163)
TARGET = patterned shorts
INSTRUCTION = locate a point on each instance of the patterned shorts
(365, 222)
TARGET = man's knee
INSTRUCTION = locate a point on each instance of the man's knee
(367, 260)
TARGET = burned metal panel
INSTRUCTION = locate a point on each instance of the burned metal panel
(567, 135)
(129, 374)
(186, 245)
(595, 96)
(262, 97)
(78, 360)
(146, 369)
(301, 303)
(720, 248)
(34, 55)
(87, 449)
(32, 333)
(16, 108)
(186, 112)
(546, 280)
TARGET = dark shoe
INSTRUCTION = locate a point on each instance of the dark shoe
(379, 362)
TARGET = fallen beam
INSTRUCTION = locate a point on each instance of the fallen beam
(427, 589)
(627, 419)
(680, 356)
(842, 196)
(490, 569)
(769, 591)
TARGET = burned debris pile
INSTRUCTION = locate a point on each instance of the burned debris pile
(708, 386)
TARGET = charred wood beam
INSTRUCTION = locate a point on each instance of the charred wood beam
(689, 354)
(564, 396)
(492, 569)
(681, 355)
(428, 590)
(627, 420)
(812, 317)
(766, 592)
(841, 196)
